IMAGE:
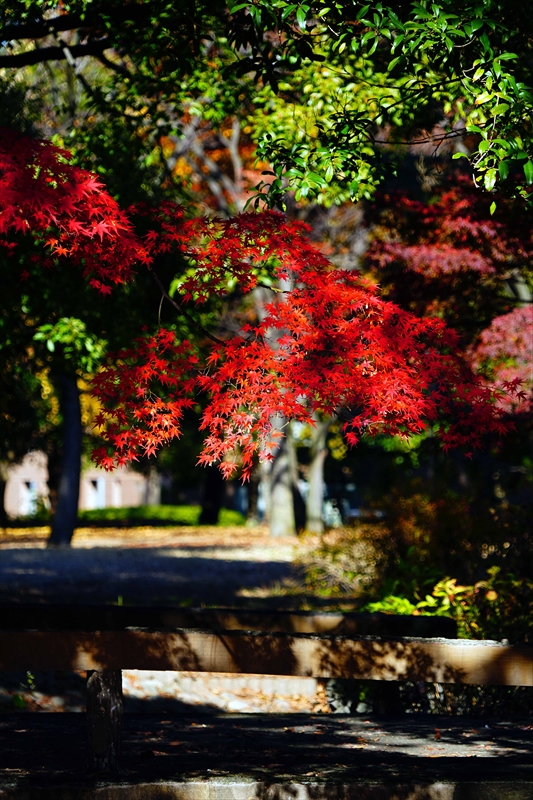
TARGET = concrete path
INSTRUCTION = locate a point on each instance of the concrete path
(244, 757)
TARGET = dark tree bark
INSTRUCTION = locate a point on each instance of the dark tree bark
(66, 513)
(213, 496)
(54, 457)
(252, 513)
(104, 720)
(4, 474)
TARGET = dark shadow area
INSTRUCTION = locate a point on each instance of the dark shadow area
(58, 616)
(142, 576)
(274, 747)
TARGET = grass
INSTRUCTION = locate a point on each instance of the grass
(155, 516)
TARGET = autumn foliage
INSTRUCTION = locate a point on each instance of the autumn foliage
(504, 353)
(327, 342)
(62, 212)
(448, 256)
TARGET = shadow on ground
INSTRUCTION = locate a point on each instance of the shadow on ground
(41, 748)
(140, 576)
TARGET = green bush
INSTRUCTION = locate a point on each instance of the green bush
(499, 607)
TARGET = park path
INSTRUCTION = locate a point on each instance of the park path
(176, 566)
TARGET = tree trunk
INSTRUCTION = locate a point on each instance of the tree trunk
(287, 511)
(54, 457)
(213, 496)
(315, 477)
(282, 522)
(153, 487)
(252, 512)
(104, 720)
(4, 475)
(66, 514)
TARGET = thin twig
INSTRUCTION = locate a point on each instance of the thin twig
(179, 307)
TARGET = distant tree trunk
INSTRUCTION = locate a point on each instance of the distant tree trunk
(213, 495)
(66, 513)
(54, 456)
(287, 511)
(282, 521)
(153, 487)
(315, 478)
(4, 475)
(104, 720)
(252, 512)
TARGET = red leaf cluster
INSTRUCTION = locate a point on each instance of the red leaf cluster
(452, 234)
(327, 343)
(65, 210)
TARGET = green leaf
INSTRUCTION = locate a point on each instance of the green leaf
(490, 179)
(301, 17)
(287, 11)
(312, 177)
(503, 169)
(492, 208)
(475, 24)
(501, 108)
(528, 172)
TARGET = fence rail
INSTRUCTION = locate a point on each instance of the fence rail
(245, 652)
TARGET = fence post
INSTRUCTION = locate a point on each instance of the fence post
(104, 720)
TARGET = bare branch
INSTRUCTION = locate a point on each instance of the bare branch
(57, 53)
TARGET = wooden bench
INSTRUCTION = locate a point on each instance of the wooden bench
(105, 640)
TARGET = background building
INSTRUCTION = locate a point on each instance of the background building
(27, 487)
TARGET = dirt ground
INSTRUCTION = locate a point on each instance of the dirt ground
(146, 566)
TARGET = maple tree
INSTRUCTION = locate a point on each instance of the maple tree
(328, 92)
(340, 348)
(503, 354)
(448, 256)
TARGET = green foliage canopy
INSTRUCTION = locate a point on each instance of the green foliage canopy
(394, 70)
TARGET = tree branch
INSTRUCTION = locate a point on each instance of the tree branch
(179, 307)
(40, 55)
